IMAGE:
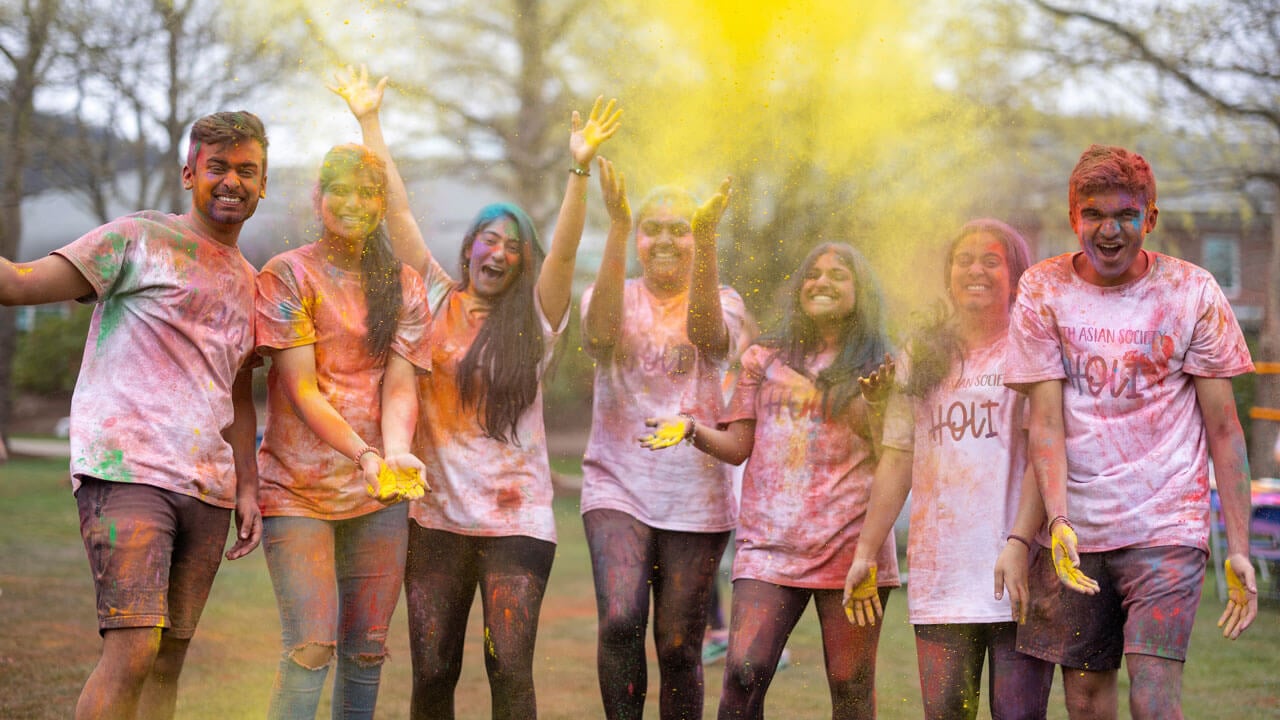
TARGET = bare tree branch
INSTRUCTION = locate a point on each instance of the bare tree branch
(1170, 67)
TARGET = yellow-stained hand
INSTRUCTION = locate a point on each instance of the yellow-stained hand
(600, 126)
(667, 431)
(401, 477)
(1011, 575)
(706, 219)
(861, 596)
(1242, 597)
(372, 468)
(1066, 561)
(411, 475)
(876, 386)
(354, 87)
(614, 188)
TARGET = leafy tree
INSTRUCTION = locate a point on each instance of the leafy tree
(1198, 70)
(47, 360)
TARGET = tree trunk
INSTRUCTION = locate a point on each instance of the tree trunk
(532, 117)
(22, 91)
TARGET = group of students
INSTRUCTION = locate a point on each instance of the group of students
(405, 445)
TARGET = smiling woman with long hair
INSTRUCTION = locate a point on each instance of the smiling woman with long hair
(344, 324)
(801, 420)
(953, 438)
(488, 524)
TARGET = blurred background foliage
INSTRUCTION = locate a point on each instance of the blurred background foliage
(882, 123)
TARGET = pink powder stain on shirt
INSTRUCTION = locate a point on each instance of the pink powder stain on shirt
(1129, 355)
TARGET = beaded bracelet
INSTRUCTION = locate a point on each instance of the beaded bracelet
(366, 450)
(690, 432)
(578, 170)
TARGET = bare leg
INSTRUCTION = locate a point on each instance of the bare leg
(115, 685)
(160, 693)
(1090, 695)
(1155, 687)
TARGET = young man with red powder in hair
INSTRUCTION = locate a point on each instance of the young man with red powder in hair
(1127, 357)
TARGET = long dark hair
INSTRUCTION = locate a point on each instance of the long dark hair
(379, 268)
(936, 346)
(499, 373)
(862, 342)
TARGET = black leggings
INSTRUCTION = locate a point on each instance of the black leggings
(762, 618)
(627, 558)
(442, 572)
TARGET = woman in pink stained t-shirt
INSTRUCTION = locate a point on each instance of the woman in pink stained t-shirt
(343, 322)
(800, 420)
(954, 438)
(661, 344)
(487, 525)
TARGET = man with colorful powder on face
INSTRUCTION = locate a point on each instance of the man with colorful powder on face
(1127, 357)
(162, 419)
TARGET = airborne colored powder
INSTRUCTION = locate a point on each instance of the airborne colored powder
(828, 114)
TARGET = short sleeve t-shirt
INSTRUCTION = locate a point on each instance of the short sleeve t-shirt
(807, 482)
(303, 299)
(480, 486)
(1137, 454)
(653, 370)
(172, 325)
(968, 451)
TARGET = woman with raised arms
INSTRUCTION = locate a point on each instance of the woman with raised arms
(488, 523)
(344, 323)
(656, 524)
(954, 439)
(801, 420)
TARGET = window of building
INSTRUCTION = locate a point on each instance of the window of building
(1220, 255)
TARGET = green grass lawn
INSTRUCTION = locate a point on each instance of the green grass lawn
(49, 643)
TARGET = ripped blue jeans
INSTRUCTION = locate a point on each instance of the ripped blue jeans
(337, 583)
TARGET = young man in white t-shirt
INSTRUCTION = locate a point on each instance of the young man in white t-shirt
(1126, 356)
(162, 418)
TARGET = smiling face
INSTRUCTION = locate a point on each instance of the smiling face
(1111, 225)
(979, 278)
(664, 247)
(226, 183)
(495, 258)
(351, 205)
(827, 293)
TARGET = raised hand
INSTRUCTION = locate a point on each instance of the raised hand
(706, 219)
(614, 187)
(600, 126)
(666, 432)
(1066, 561)
(861, 596)
(354, 87)
(1242, 597)
(876, 386)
